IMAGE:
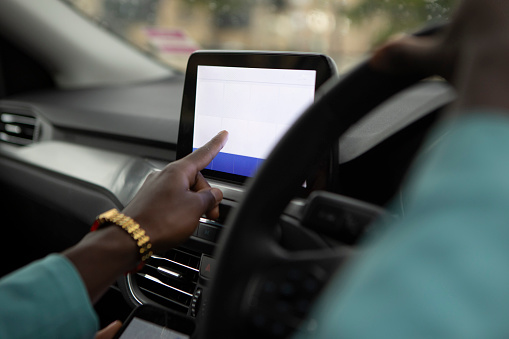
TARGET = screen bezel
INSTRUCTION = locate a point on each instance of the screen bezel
(323, 65)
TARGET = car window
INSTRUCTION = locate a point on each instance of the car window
(171, 30)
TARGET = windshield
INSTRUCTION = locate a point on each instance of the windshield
(171, 30)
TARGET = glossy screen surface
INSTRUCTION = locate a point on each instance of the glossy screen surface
(255, 105)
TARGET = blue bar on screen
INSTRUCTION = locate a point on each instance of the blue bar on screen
(235, 164)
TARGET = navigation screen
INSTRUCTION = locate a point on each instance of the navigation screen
(255, 105)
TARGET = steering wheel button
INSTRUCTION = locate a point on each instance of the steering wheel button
(302, 306)
(282, 307)
(269, 287)
(311, 285)
(259, 320)
(295, 274)
(278, 329)
(287, 289)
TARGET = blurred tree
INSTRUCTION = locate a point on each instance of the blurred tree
(227, 13)
(400, 15)
(134, 10)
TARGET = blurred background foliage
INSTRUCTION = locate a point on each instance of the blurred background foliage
(401, 15)
(346, 30)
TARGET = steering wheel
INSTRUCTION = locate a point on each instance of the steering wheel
(259, 289)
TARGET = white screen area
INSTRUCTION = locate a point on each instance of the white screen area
(139, 328)
(255, 105)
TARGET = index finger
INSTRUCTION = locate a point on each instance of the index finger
(204, 155)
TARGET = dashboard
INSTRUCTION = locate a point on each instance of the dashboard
(76, 153)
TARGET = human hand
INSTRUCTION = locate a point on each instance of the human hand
(471, 53)
(170, 202)
(168, 207)
(109, 331)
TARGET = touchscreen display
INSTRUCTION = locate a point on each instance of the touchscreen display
(255, 105)
(139, 328)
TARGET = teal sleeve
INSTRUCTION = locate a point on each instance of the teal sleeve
(441, 271)
(46, 299)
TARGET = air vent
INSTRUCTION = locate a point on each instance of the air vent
(17, 129)
(170, 280)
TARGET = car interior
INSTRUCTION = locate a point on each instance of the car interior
(85, 118)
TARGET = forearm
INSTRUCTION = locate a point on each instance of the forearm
(167, 207)
(101, 257)
(439, 272)
(46, 299)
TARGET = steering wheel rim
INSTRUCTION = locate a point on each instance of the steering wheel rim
(248, 233)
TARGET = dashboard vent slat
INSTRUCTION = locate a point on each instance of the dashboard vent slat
(17, 128)
(170, 280)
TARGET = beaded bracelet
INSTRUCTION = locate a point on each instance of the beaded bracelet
(142, 240)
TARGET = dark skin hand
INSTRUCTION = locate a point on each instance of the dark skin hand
(472, 53)
(177, 196)
(167, 207)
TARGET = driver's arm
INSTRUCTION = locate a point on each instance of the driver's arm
(442, 270)
(168, 207)
(46, 299)
(53, 298)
